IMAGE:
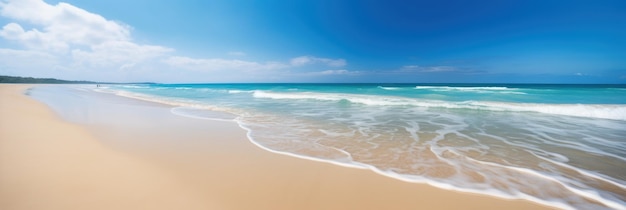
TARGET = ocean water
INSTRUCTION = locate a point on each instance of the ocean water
(559, 145)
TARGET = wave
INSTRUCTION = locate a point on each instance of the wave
(181, 107)
(195, 109)
(135, 86)
(389, 88)
(239, 91)
(602, 111)
(500, 90)
(203, 113)
(464, 88)
(452, 88)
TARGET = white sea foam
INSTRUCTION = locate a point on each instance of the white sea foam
(491, 90)
(179, 104)
(368, 121)
(617, 183)
(602, 111)
(239, 91)
(614, 112)
(202, 114)
(463, 88)
(389, 88)
(448, 185)
(586, 193)
(135, 86)
(405, 177)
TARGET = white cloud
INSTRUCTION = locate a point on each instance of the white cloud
(306, 60)
(81, 40)
(220, 64)
(16, 58)
(62, 25)
(582, 74)
(11, 61)
(212, 64)
(117, 54)
(33, 39)
(338, 72)
(23, 54)
(68, 41)
(427, 69)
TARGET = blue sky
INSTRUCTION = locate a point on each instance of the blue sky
(316, 41)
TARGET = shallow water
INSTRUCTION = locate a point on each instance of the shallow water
(560, 145)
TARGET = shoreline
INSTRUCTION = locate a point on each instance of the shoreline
(210, 162)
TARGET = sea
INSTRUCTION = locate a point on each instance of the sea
(558, 145)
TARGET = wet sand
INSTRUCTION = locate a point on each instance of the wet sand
(137, 155)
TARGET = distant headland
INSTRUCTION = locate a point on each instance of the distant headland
(31, 80)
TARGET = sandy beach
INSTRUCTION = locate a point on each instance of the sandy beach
(144, 157)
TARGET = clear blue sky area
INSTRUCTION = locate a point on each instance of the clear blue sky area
(361, 41)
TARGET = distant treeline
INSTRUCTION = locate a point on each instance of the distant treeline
(10, 79)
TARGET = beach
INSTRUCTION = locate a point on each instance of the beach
(138, 155)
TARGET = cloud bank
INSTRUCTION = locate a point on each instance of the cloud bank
(306, 60)
(68, 42)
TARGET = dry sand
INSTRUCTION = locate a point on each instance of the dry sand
(47, 163)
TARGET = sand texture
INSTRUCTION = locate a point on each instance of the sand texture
(153, 159)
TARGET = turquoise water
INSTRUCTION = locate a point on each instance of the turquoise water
(560, 145)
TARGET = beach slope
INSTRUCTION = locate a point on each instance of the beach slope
(48, 163)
